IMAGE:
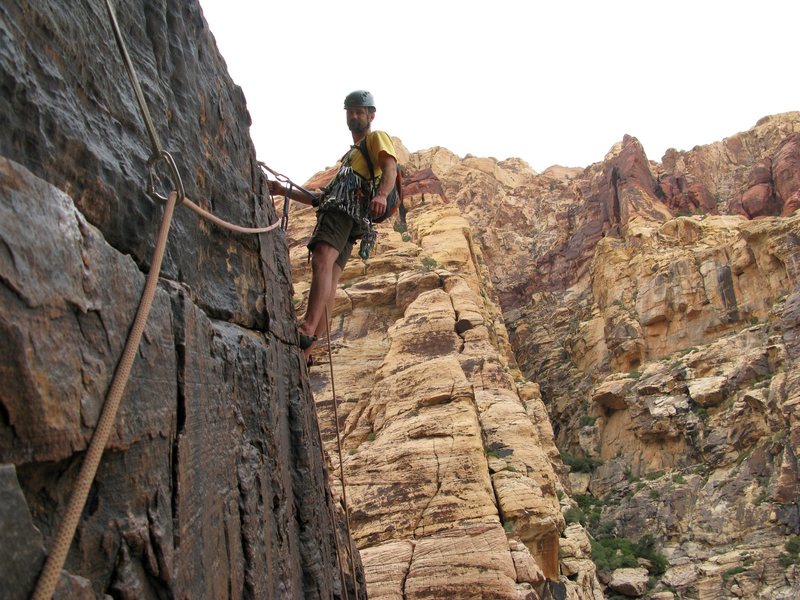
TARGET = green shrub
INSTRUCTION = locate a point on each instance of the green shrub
(587, 420)
(653, 475)
(586, 501)
(592, 509)
(629, 475)
(646, 548)
(605, 529)
(499, 451)
(678, 478)
(792, 555)
(731, 572)
(400, 227)
(574, 515)
(429, 264)
(743, 456)
(787, 560)
(580, 464)
(406, 237)
(613, 553)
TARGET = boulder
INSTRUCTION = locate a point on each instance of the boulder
(629, 581)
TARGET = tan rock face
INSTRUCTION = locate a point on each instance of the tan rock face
(786, 174)
(733, 170)
(674, 365)
(446, 454)
(629, 582)
(520, 311)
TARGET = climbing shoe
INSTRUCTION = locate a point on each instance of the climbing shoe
(306, 341)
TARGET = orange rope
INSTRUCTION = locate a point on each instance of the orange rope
(230, 226)
(48, 579)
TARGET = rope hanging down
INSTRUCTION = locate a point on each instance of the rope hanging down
(341, 465)
(55, 560)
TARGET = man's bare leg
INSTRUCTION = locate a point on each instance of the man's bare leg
(324, 278)
(322, 326)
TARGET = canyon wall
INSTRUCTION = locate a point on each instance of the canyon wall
(213, 483)
(578, 382)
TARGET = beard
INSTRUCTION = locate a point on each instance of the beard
(355, 126)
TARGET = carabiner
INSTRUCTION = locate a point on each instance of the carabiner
(176, 176)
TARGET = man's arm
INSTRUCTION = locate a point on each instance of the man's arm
(388, 165)
(276, 188)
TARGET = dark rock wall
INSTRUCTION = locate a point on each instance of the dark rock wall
(69, 114)
(213, 484)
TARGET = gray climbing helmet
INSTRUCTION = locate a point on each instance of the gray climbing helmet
(359, 98)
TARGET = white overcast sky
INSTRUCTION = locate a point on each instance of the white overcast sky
(551, 82)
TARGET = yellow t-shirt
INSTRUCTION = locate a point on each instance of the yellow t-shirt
(377, 142)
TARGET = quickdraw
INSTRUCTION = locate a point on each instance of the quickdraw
(291, 186)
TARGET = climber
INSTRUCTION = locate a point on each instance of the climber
(346, 209)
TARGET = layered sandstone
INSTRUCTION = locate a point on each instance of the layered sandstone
(447, 450)
(631, 305)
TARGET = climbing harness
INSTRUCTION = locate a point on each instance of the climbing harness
(351, 193)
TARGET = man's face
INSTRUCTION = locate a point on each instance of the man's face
(358, 119)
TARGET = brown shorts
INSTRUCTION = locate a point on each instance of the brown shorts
(337, 229)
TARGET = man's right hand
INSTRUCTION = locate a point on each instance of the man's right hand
(276, 188)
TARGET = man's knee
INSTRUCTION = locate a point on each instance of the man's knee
(323, 256)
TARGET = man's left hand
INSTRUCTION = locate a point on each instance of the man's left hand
(378, 206)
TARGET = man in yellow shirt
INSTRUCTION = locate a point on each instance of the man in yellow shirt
(347, 206)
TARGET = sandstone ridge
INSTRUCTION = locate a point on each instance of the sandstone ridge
(534, 364)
